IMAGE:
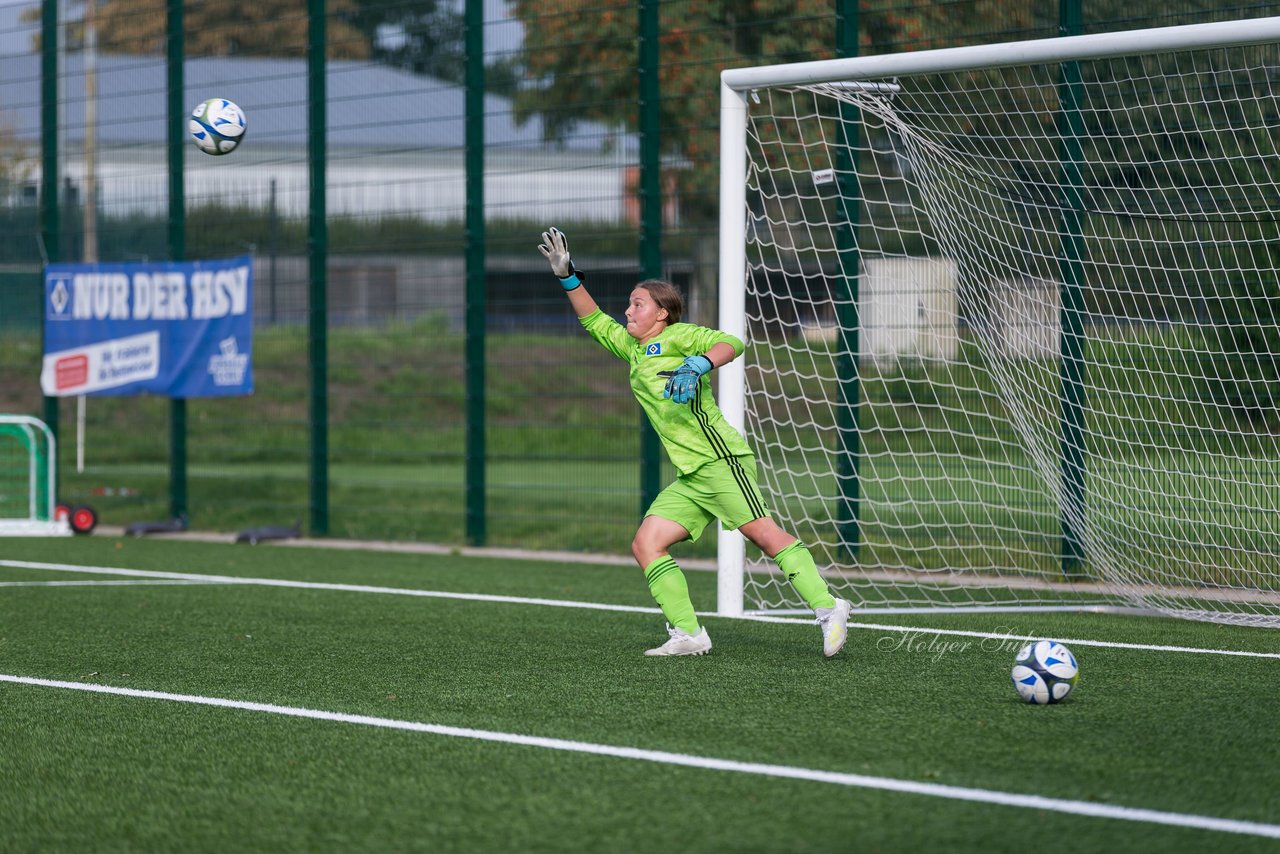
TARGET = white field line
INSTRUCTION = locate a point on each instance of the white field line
(861, 781)
(598, 606)
(322, 585)
(941, 579)
(141, 582)
(1025, 638)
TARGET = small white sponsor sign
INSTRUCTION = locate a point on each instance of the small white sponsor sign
(101, 365)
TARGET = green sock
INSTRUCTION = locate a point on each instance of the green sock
(797, 564)
(671, 591)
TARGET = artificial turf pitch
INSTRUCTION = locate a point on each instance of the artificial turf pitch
(1192, 736)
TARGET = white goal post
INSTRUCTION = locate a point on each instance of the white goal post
(1013, 322)
(28, 456)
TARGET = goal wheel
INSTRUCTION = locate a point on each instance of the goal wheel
(84, 519)
(62, 511)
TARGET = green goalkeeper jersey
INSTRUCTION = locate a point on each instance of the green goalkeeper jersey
(693, 433)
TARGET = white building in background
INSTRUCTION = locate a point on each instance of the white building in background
(395, 143)
(908, 308)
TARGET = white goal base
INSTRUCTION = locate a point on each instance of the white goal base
(34, 528)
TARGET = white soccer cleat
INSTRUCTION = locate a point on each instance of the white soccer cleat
(683, 643)
(835, 626)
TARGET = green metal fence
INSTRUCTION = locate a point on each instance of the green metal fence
(418, 373)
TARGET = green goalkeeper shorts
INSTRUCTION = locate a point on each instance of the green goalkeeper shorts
(721, 489)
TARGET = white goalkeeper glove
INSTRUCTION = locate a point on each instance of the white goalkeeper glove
(555, 247)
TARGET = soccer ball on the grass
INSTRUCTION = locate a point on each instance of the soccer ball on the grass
(217, 126)
(1045, 672)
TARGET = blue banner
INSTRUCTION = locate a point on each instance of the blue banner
(177, 329)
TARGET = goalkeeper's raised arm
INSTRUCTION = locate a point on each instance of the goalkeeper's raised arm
(555, 246)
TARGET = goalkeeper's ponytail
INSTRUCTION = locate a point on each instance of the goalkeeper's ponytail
(665, 295)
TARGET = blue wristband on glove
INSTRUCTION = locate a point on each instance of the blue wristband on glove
(571, 281)
(682, 386)
(700, 364)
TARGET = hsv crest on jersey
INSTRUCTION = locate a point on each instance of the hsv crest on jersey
(654, 349)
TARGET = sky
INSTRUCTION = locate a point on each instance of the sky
(14, 37)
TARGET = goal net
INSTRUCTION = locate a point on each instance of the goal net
(1014, 322)
(27, 480)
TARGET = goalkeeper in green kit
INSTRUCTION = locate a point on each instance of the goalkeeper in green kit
(669, 362)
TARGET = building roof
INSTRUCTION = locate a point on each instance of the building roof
(369, 106)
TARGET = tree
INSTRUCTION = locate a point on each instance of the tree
(226, 28)
(425, 37)
(580, 60)
(580, 65)
(16, 161)
(579, 57)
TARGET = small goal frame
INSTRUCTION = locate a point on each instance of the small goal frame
(40, 518)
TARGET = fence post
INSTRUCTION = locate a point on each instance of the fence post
(849, 475)
(1071, 301)
(476, 252)
(177, 236)
(317, 261)
(650, 190)
(50, 219)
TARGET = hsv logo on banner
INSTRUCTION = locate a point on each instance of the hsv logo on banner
(173, 329)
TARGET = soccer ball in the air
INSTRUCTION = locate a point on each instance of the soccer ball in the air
(1044, 672)
(217, 126)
